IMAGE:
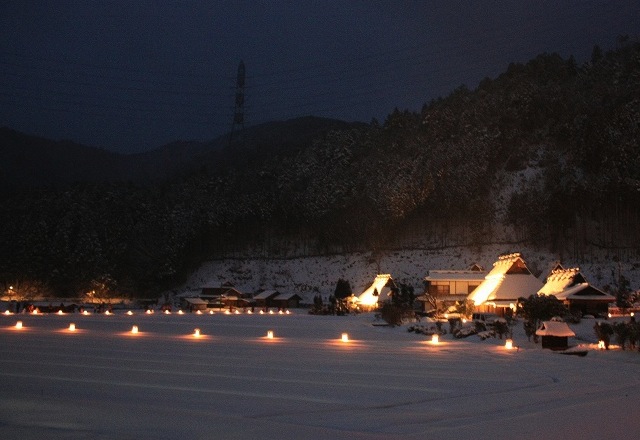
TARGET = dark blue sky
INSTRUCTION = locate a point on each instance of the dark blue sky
(133, 75)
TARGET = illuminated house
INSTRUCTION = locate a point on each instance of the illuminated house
(571, 287)
(378, 293)
(509, 280)
(451, 286)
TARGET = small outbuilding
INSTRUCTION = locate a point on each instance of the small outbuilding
(555, 335)
(285, 301)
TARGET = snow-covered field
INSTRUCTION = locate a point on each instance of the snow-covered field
(311, 275)
(104, 382)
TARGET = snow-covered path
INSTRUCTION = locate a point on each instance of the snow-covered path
(102, 381)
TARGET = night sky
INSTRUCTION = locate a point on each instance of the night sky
(129, 76)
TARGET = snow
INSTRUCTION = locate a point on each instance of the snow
(319, 274)
(103, 382)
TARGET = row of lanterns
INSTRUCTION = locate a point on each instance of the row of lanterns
(196, 333)
(179, 312)
(435, 339)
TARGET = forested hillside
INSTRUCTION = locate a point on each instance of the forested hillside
(546, 153)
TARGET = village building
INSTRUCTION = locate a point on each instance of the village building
(509, 280)
(377, 293)
(555, 335)
(447, 287)
(285, 301)
(571, 287)
(264, 298)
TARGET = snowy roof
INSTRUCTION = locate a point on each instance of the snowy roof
(376, 293)
(509, 280)
(553, 328)
(195, 301)
(584, 291)
(456, 275)
(286, 296)
(265, 294)
(559, 280)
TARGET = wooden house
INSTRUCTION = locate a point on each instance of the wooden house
(285, 301)
(571, 287)
(509, 280)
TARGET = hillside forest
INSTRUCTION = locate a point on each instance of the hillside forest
(547, 153)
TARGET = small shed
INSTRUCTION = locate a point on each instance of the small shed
(194, 304)
(265, 298)
(555, 335)
(287, 301)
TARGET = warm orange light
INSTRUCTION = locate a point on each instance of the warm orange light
(199, 312)
(287, 312)
(210, 312)
(60, 312)
(345, 337)
(270, 312)
(249, 312)
(270, 334)
(167, 312)
(227, 312)
(280, 312)
(129, 313)
(508, 344)
(601, 345)
(196, 333)
(180, 312)
(107, 313)
(148, 312)
(134, 329)
(35, 311)
(72, 327)
(7, 312)
(85, 312)
(262, 312)
(435, 338)
(19, 325)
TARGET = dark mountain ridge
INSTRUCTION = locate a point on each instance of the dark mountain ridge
(548, 154)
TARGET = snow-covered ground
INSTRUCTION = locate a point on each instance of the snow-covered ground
(311, 275)
(104, 382)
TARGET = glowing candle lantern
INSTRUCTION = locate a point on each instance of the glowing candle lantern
(227, 312)
(280, 312)
(270, 312)
(199, 312)
(35, 311)
(249, 312)
(435, 338)
(236, 311)
(287, 312)
(85, 312)
(19, 325)
(72, 327)
(262, 312)
(167, 312)
(609, 315)
(134, 330)
(345, 337)
(508, 344)
(601, 345)
(180, 312)
(107, 313)
(7, 312)
(129, 313)
(196, 333)
(60, 312)
(270, 334)
(210, 312)
(148, 312)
